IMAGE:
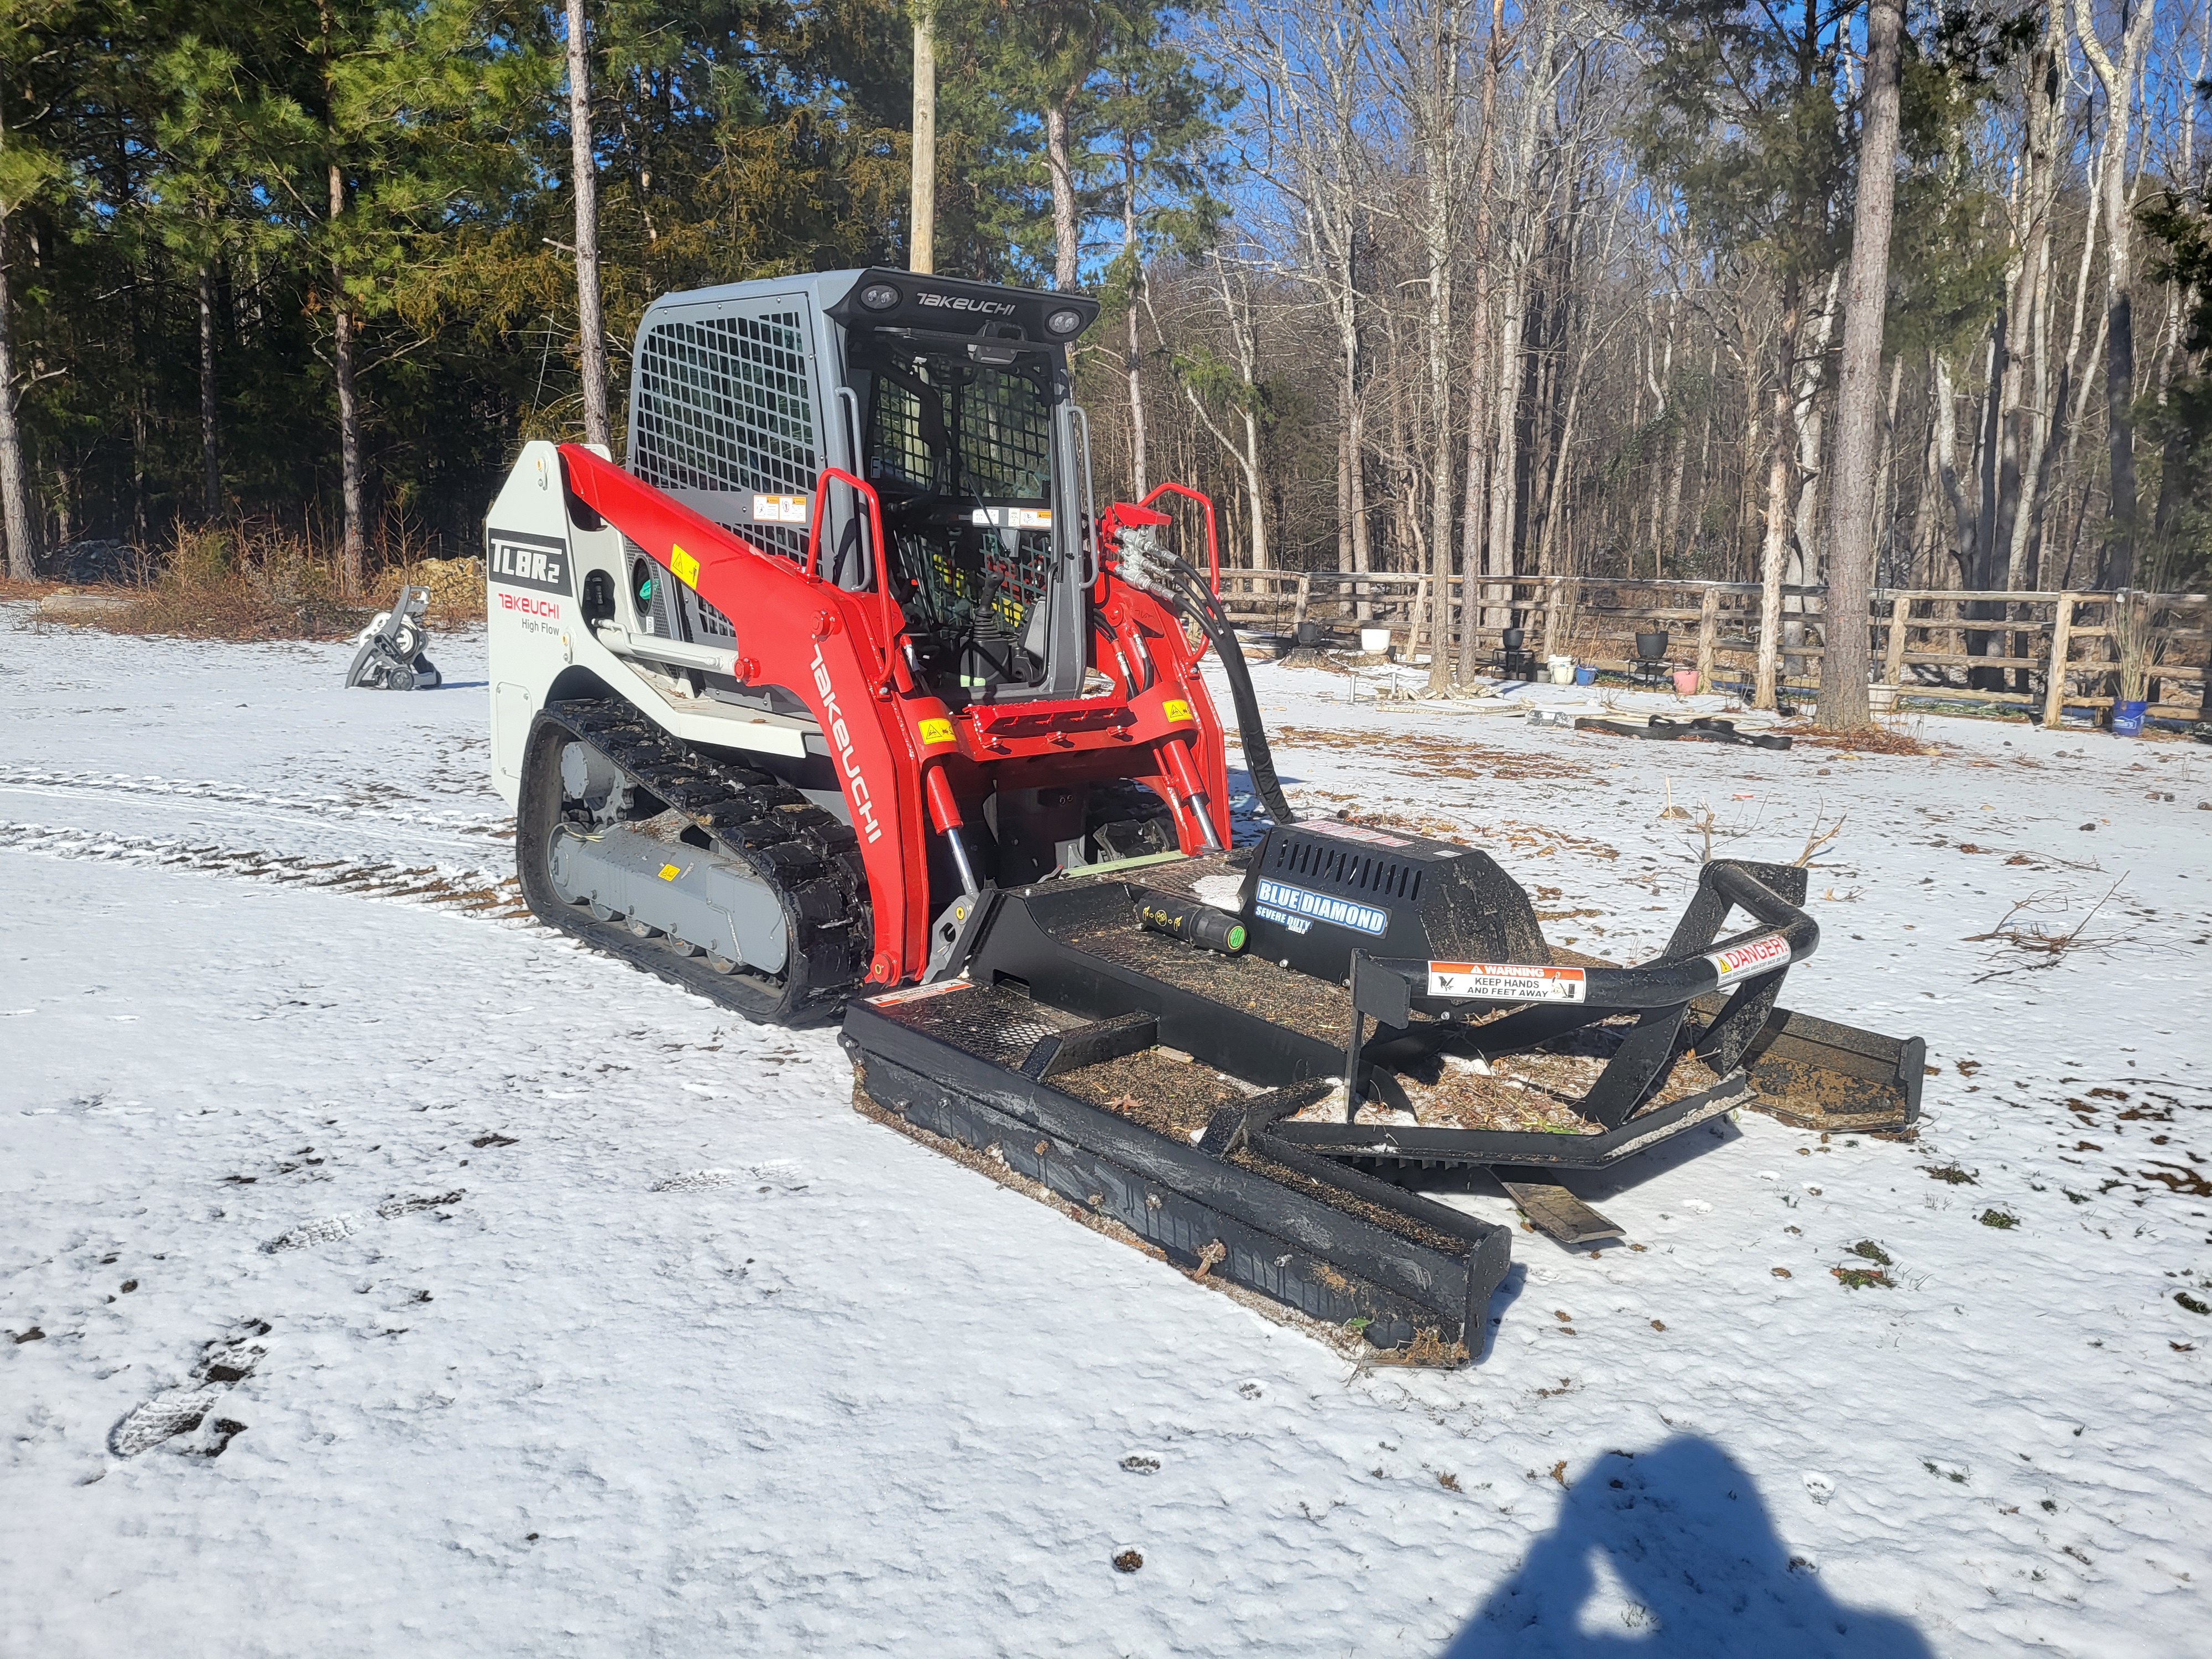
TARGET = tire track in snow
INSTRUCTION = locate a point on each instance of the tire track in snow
(469, 889)
(181, 791)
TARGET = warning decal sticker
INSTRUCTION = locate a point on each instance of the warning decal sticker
(1506, 982)
(781, 509)
(1352, 832)
(1014, 518)
(1756, 956)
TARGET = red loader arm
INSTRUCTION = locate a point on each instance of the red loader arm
(908, 765)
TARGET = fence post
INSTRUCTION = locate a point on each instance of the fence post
(1413, 622)
(1893, 656)
(1305, 592)
(1709, 621)
(2054, 691)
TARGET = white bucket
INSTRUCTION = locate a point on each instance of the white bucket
(1563, 670)
(1881, 698)
(1374, 640)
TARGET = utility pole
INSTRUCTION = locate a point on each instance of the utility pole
(923, 214)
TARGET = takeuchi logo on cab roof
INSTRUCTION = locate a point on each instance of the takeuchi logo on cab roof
(962, 302)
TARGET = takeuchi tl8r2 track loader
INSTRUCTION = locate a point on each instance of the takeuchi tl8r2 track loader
(840, 700)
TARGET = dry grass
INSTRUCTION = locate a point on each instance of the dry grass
(256, 581)
(1424, 755)
(1868, 740)
(2038, 946)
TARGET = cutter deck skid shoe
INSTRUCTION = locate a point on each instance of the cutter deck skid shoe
(840, 698)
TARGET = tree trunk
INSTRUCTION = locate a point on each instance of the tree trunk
(1063, 196)
(1852, 502)
(18, 513)
(1133, 363)
(1776, 547)
(1802, 564)
(1439, 156)
(2119, 81)
(210, 455)
(1944, 416)
(1480, 420)
(591, 321)
(1886, 493)
(921, 163)
(354, 536)
(1238, 308)
(1476, 505)
(1521, 236)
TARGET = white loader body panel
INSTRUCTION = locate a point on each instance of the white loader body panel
(536, 563)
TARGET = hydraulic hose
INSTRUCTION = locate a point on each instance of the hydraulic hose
(1259, 758)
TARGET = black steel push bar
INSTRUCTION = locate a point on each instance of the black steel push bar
(1550, 999)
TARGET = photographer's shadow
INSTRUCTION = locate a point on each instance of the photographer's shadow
(1694, 1569)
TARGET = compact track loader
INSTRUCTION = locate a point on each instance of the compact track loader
(841, 699)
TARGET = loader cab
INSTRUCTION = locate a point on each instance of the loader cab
(952, 398)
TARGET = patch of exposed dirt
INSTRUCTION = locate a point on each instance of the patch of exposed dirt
(1246, 982)
(1157, 1088)
(1536, 1092)
(1420, 754)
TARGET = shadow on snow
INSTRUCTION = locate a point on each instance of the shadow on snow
(1672, 1553)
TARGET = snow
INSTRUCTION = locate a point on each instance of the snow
(597, 1322)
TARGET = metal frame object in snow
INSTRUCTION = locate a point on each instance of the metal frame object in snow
(1859, 1078)
(1564, 999)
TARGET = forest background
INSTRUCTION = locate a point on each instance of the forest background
(1545, 288)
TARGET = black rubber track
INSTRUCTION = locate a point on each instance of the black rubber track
(810, 857)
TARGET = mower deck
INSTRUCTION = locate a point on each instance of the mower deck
(975, 1065)
(1197, 1099)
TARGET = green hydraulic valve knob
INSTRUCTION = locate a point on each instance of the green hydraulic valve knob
(1192, 922)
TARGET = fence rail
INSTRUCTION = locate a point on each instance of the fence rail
(2049, 651)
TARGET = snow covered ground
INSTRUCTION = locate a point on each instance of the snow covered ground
(534, 1307)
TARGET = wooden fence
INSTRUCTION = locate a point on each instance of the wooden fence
(2051, 650)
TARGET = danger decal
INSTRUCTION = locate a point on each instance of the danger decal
(518, 560)
(1342, 913)
(1175, 708)
(1756, 956)
(781, 509)
(1506, 982)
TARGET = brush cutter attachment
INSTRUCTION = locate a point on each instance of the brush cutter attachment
(1194, 1101)
(391, 655)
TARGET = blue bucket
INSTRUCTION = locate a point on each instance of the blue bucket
(2127, 719)
(1585, 676)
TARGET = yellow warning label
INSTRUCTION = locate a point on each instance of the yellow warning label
(668, 872)
(1176, 709)
(684, 565)
(935, 731)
